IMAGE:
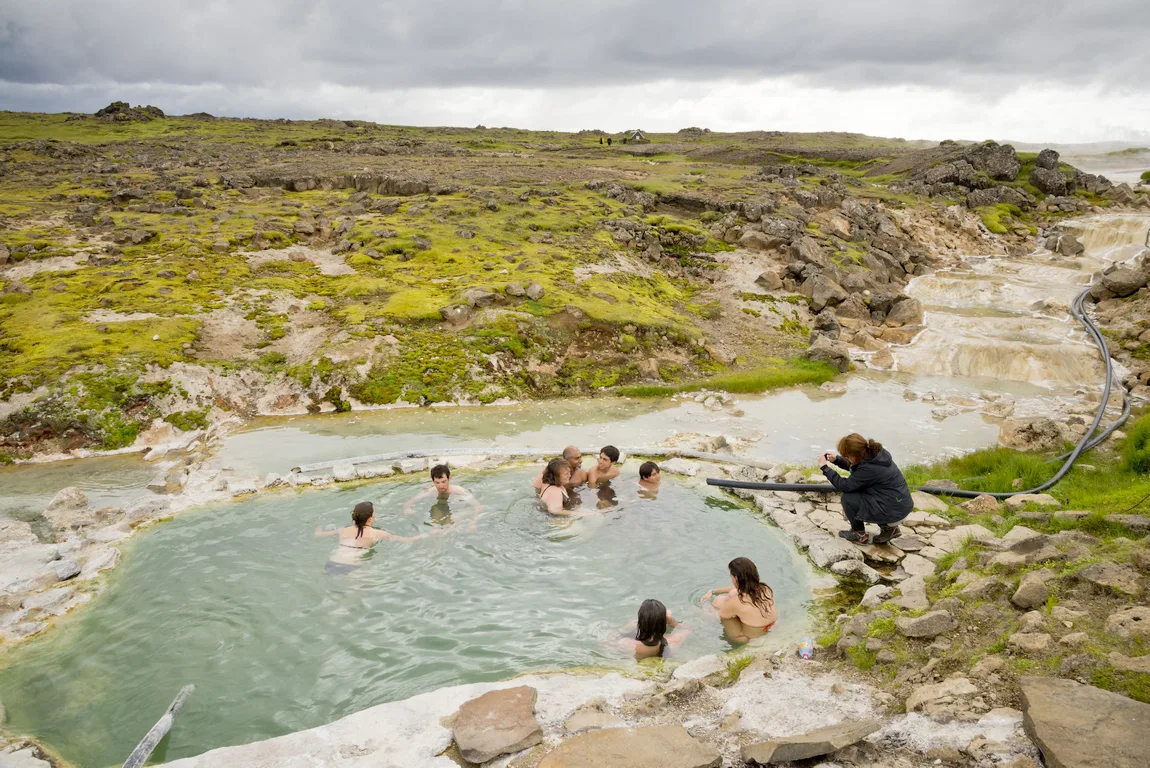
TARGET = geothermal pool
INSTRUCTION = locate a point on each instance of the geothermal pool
(236, 599)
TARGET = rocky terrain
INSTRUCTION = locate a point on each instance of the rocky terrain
(195, 268)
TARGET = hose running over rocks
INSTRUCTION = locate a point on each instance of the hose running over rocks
(1088, 440)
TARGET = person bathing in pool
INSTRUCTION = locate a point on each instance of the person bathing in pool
(553, 496)
(443, 491)
(574, 459)
(747, 607)
(604, 469)
(651, 627)
(649, 479)
(357, 538)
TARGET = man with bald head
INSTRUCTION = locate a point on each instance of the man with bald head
(578, 477)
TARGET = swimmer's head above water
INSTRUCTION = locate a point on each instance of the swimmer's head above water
(649, 473)
(652, 623)
(608, 455)
(441, 477)
(362, 516)
(558, 472)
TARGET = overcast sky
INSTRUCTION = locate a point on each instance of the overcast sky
(1029, 70)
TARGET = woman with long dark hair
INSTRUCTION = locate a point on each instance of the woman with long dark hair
(747, 607)
(874, 492)
(654, 621)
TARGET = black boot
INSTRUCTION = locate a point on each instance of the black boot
(886, 533)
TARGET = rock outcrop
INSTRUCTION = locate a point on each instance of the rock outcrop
(667, 746)
(1080, 726)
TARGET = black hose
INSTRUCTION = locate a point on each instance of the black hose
(1087, 441)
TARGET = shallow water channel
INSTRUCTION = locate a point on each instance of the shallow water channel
(236, 599)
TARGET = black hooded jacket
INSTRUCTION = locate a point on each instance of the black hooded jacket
(879, 486)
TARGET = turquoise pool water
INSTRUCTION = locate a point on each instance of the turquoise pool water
(236, 599)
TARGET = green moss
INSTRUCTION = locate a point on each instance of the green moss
(777, 374)
(861, 657)
(188, 420)
(1145, 176)
(1136, 449)
(993, 216)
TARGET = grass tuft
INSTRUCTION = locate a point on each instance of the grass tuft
(781, 373)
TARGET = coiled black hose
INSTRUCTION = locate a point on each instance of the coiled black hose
(1088, 440)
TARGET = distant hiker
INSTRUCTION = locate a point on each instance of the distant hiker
(604, 469)
(747, 607)
(553, 493)
(600, 140)
(651, 627)
(357, 538)
(574, 459)
(875, 492)
(608, 141)
(443, 491)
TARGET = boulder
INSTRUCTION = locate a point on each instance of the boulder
(343, 473)
(856, 570)
(916, 565)
(1030, 642)
(68, 498)
(912, 594)
(906, 312)
(876, 596)
(927, 502)
(1037, 434)
(1124, 282)
(955, 686)
(22, 758)
(1047, 159)
(981, 589)
(926, 626)
(1080, 726)
(1051, 182)
(66, 569)
(1131, 623)
(1032, 590)
(667, 746)
(824, 292)
(455, 313)
(1111, 576)
(829, 351)
(826, 324)
(984, 504)
(514, 289)
(832, 549)
(998, 161)
(479, 297)
(808, 251)
(822, 741)
(534, 291)
(769, 280)
(499, 722)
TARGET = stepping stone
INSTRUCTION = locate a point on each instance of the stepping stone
(1116, 577)
(908, 543)
(667, 746)
(497, 723)
(815, 743)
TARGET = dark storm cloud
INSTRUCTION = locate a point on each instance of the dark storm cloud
(286, 44)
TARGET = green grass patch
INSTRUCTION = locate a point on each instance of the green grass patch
(993, 216)
(775, 375)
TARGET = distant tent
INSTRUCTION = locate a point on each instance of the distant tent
(636, 136)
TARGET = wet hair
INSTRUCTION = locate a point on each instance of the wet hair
(361, 514)
(611, 452)
(551, 472)
(647, 468)
(857, 448)
(652, 625)
(440, 470)
(747, 578)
